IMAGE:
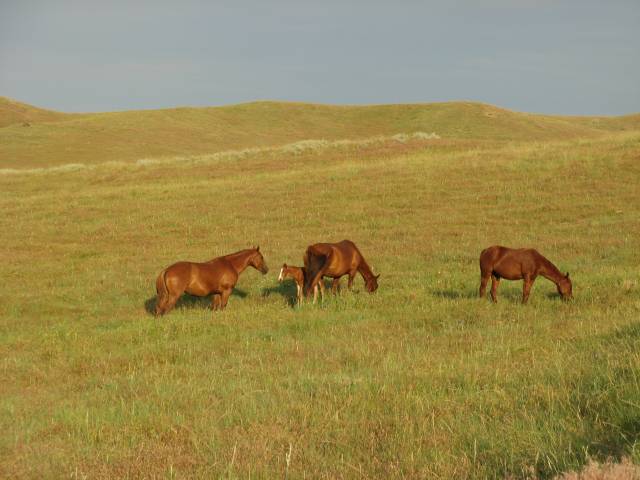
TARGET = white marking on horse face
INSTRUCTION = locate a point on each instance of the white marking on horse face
(281, 276)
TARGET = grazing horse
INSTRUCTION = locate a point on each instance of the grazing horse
(298, 274)
(519, 264)
(335, 260)
(218, 276)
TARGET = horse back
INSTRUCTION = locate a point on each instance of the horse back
(218, 272)
(200, 278)
(338, 258)
(509, 263)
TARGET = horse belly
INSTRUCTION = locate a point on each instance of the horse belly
(509, 271)
(204, 281)
(199, 290)
(334, 271)
(339, 265)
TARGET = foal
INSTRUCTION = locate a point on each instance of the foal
(299, 275)
(519, 264)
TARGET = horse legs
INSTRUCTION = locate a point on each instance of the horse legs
(160, 305)
(495, 281)
(335, 285)
(215, 301)
(224, 297)
(167, 305)
(526, 288)
(299, 293)
(319, 286)
(484, 279)
(352, 275)
(165, 302)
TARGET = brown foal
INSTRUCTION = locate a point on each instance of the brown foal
(218, 277)
(298, 274)
(526, 264)
(335, 260)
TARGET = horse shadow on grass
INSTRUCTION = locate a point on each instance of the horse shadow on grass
(452, 294)
(508, 294)
(190, 301)
(288, 291)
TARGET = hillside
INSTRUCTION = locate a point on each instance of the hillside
(22, 114)
(56, 138)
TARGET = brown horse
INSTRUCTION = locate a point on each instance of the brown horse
(335, 260)
(218, 276)
(298, 274)
(519, 264)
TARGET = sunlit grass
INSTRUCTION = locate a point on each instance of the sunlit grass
(422, 379)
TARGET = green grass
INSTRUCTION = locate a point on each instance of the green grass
(421, 379)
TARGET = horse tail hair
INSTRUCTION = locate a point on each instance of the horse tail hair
(161, 286)
(313, 264)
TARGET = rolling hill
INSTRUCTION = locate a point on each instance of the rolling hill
(13, 112)
(53, 138)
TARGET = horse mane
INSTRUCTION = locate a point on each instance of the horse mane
(239, 253)
(232, 255)
(365, 269)
(549, 270)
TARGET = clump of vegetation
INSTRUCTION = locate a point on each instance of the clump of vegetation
(609, 470)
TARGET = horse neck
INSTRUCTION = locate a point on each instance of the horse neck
(240, 260)
(549, 271)
(364, 269)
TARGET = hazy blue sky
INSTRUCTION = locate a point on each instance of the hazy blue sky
(573, 57)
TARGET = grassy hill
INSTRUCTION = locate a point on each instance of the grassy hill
(22, 114)
(57, 139)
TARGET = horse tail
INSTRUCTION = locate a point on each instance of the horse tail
(313, 264)
(161, 287)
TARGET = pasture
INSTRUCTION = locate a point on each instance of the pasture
(421, 379)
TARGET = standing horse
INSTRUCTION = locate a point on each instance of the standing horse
(335, 260)
(298, 274)
(526, 264)
(218, 276)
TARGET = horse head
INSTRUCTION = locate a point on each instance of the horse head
(257, 261)
(282, 271)
(372, 283)
(565, 287)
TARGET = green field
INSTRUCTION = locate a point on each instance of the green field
(420, 380)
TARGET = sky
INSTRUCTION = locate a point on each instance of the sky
(546, 56)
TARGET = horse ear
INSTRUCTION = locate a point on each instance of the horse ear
(258, 248)
(567, 275)
(377, 276)
(284, 265)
